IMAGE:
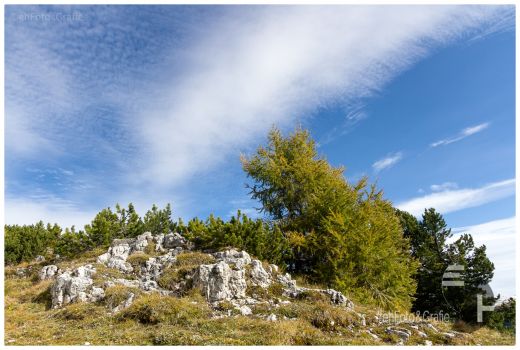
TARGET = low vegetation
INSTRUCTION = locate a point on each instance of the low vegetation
(160, 320)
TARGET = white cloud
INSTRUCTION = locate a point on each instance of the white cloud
(387, 162)
(453, 200)
(275, 64)
(27, 211)
(499, 237)
(462, 135)
(444, 187)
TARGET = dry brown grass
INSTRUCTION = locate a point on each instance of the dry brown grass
(161, 320)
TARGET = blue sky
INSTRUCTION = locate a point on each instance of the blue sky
(150, 105)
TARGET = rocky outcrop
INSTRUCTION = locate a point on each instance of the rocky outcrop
(227, 279)
(141, 242)
(237, 259)
(259, 277)
(76, 285)
(48, 272)
(219, 282)
(174, 240)
(117, 254)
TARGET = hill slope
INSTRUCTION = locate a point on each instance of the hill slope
(157, 290)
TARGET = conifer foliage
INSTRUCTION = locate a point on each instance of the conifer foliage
(433, 246)
(344, 235)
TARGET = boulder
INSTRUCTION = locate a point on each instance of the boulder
(121, 265)
(159, 239)
(96, 294)
(48, 272)
(238, 259)
(174, 240)
(171, 257)
(290, 288)
(259, 277)
(338, 298)
(152, 269)
(74, 286)
(245, 310)
(141, 242)
(402, 333)
(39, 258)
(149, 286)
(219, 282)
(117, 254)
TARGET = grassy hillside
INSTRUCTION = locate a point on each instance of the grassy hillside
(189, 320)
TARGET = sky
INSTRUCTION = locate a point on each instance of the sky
(155, 104)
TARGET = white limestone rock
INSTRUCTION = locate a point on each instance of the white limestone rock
(152, 269)
(338, 298)
(117, 254)
(96, 294)
(149, 286)
(219, 282)
(432, 327)
(402, 333)
(245, 310)
(259, 277)
(141, 242)
(238, 259)
(174, 240)
(74, 286)
(374, 336)
(272, 318)
(48, 272)
(422, 334)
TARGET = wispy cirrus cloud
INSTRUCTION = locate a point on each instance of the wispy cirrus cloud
(231, 91)
(445, 186)
(461, 135)
(457, 199)
(387, 162)
(145, 99)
